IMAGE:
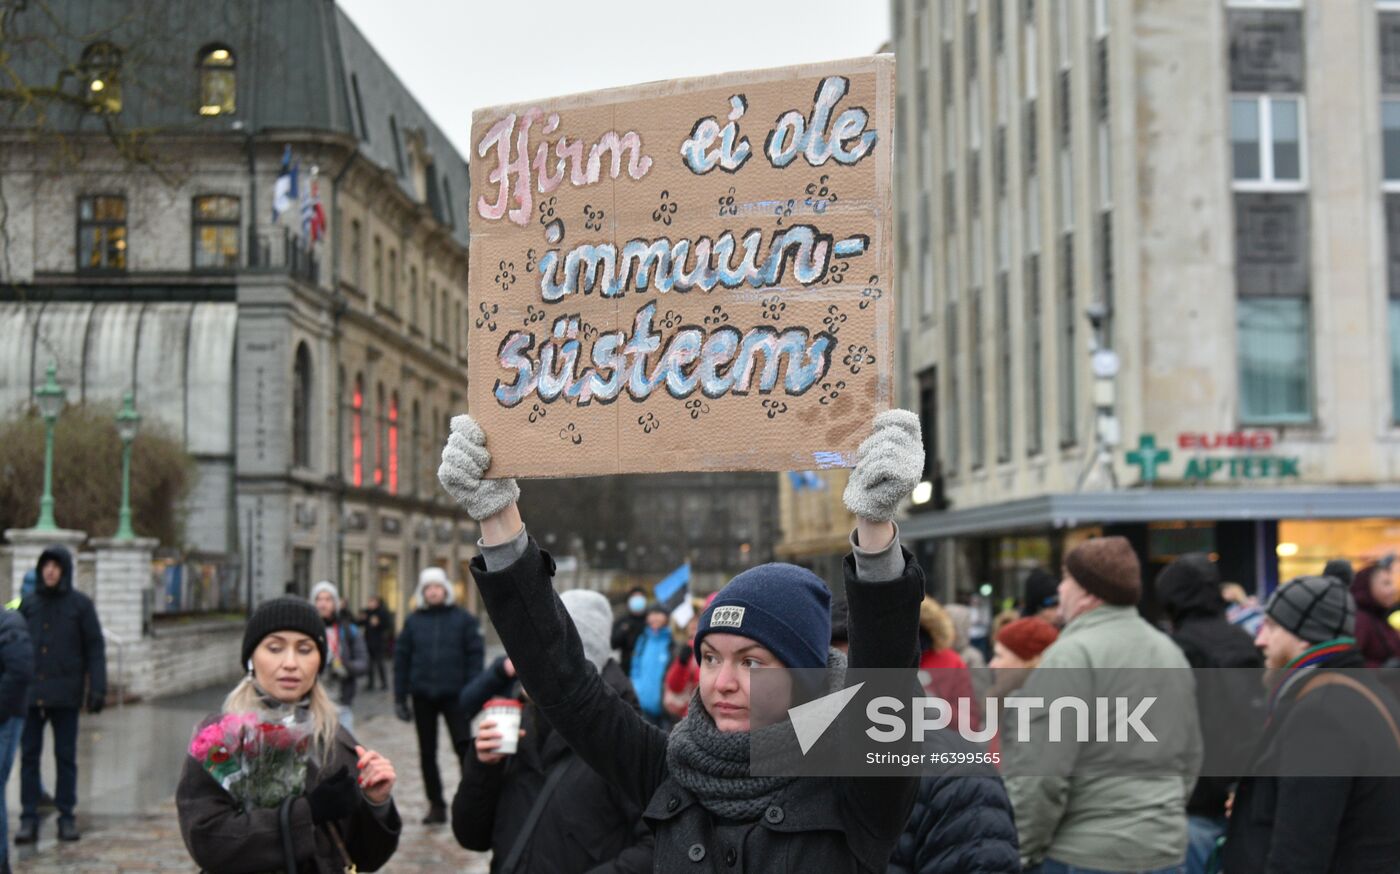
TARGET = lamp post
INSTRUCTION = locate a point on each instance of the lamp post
(50, 398)
(128, 420)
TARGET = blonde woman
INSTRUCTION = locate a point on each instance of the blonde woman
(346, 815)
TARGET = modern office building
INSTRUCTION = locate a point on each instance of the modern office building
(1149, 263)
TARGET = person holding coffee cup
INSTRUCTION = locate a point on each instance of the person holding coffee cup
(705, 809)
(527, 796)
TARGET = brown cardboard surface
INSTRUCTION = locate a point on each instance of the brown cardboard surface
(589, 174)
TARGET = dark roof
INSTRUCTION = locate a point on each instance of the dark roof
(298, 65)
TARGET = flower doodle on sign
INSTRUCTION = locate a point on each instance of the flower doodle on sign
(727, 206)
(833, 391)
(531, 259)
(547, 210)
(666, 211)
(834, 319)
(717, 316)
(505, 276)
(697, 408)
(592, 218)
(670, 320)
(872, 291)
(533, 315)
(537, 413)
(571, 434)
(649, 423)
(588, 330)
(773, 307)
(820, 195)
(784, 210)
(857, 357)
(487, 319)
(837, 273)
(775, 408)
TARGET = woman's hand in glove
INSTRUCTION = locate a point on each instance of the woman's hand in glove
(464, 465)
(889, 465)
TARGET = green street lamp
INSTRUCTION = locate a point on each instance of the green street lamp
(50, 398)
(128, 421)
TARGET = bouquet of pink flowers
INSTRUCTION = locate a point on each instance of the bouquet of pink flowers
(258, 758)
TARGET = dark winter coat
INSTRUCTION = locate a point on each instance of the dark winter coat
(1336, 825)
(16, 665)
(625, 632)
(493, 682)
(1231, 706)
(962, 823)
(69, 652)
(378, 634)
(587, 825)
(354, 658)
(439, 651)
(1378, 642)
(816, 824)
(223, 840)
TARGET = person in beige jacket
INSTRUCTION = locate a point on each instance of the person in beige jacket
(1105, 807)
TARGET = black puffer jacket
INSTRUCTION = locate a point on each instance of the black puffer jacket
(1332, 824)
(69, 651)
(1189, 591)
(439, 651)
(16, 665)
(828, 824)
(587, 825)
(962, 824)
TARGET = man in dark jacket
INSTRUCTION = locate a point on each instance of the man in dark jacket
(629, 627)
(70, 661)
(377, 621)
(1231, 712)
(439, 652)
(584, 825)
(16, 673)
(1307, 806)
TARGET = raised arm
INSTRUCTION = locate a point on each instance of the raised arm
(516, 581)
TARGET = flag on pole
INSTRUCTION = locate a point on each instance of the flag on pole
(673, 588)
(284, 190)
(313, 218)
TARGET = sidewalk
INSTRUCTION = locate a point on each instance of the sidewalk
(129, 762)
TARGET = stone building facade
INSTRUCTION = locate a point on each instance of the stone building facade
(312, 382)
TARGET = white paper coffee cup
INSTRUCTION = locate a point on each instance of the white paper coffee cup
(506, 714)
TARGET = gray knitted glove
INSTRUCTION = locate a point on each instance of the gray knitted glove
(888, 465)
(464, 464)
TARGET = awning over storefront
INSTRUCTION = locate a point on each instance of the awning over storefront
(1151, 505)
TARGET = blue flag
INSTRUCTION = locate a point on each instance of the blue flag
(674, 585)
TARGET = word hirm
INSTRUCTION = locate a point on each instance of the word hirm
(715, 363)
(684, 265)
(513, 173)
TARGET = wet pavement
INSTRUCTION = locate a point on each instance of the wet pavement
(129, 760)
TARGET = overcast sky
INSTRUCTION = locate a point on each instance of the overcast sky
(456, 56)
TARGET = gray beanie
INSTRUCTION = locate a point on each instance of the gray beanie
(1316, 609)
(593, 618)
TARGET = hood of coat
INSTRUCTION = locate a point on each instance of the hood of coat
(433, 576)
(64, 558)
(1190, 586)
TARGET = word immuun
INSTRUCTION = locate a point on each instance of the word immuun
(714, 363)
(684, 265)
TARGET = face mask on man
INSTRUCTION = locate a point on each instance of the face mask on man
(637, 603)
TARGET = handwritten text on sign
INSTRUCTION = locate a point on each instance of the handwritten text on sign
(708, 252)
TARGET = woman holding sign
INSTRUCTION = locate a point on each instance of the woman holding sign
(706, 810)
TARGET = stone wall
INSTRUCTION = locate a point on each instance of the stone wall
(176, 660)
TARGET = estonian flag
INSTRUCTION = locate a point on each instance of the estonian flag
(284, 190)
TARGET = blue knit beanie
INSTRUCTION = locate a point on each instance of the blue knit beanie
(784, 607)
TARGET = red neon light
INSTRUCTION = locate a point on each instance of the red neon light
(394, 445)
(357, 443)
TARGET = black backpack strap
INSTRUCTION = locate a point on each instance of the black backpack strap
(284, 819)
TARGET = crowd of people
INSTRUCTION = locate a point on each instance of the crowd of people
(622, 744)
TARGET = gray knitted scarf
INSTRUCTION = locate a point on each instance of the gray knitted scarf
(713, 765)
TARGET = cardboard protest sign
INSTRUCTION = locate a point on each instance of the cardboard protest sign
(685, 275)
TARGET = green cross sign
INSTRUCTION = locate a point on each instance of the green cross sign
(1147, 456)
